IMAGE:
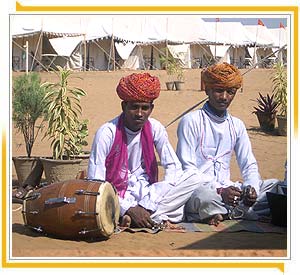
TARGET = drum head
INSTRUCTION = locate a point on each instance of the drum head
(108, 209)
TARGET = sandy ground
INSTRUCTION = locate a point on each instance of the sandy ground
(101, 105)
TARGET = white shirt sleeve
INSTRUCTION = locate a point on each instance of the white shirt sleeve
(188, 140)
(245, 158)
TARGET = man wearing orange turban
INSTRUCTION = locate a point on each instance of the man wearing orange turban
(207, 138)
(123, 154)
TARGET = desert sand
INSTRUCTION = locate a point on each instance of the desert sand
(102, 104)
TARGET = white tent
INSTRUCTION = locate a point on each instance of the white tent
(135, 41)
(41, 32)
(235, 39)
(280, 37)
(280, 40)
(231, 33)
(261, 35)
(264, 42)
(152, 33)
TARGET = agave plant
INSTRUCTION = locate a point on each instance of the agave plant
(266, 105)
(62, 103)
(266, 110)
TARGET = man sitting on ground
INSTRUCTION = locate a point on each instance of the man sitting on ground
(207, 139)
(123, 154)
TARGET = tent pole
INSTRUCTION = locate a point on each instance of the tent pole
(279, 58)
(254, 61)
(26, 47)
(216, 40)
(36, 51)
(167, 51)
(151, 58)
(84, 49)
(114, 54)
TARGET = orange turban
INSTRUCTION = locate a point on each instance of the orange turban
(222, 76)
(139, 87)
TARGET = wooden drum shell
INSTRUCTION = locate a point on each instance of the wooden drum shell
(73, 209)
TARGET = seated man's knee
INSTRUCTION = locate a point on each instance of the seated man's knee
(200, 197)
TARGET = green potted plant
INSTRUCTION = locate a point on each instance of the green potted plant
(169, 64)
(174, 71)
(265, 111)
(81, 142)
(27, 109)
(179, 83)
(279, 89)
(63, 110)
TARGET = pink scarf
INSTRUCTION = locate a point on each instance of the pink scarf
(116, 162)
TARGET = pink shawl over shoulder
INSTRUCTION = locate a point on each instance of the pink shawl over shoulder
(116, 162)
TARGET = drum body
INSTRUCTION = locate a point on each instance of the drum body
(73, 209)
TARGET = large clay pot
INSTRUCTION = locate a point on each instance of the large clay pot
(170, 85)
(29, 170)
(266, 121)
(282, 125)
(83, 166)
(60, 170)
(179, 85)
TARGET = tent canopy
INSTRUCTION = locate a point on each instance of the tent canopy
(261, 35)
(231, 33)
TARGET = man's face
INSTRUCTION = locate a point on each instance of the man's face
(136, 114)
(220, 99)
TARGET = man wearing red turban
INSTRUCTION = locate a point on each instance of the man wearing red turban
(123, 154)
(207, 138)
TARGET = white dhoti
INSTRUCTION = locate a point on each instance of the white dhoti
(205, 202)
(171, 205)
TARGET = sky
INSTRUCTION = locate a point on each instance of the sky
(268, 22)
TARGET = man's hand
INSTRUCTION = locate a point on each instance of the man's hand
(249, 196)
(231, 195)
(140, 217)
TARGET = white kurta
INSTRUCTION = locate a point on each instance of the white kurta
(206, 144)
(139, 190)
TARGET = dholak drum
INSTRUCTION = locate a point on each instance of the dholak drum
(73, 209)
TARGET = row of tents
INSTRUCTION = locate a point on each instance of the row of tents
(136, 41)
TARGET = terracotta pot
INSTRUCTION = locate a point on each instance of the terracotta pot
(29, 170)
(83, 166)
(179, 85)
(266, 121)
(170, 85)
(282, 125)
(60, 170)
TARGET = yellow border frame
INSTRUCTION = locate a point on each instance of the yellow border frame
(194, 264)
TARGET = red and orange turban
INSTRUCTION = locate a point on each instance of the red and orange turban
(139, 87)
(222, 76)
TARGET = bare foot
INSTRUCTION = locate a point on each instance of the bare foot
(214, 220)
(126, 221)
(172, 226)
